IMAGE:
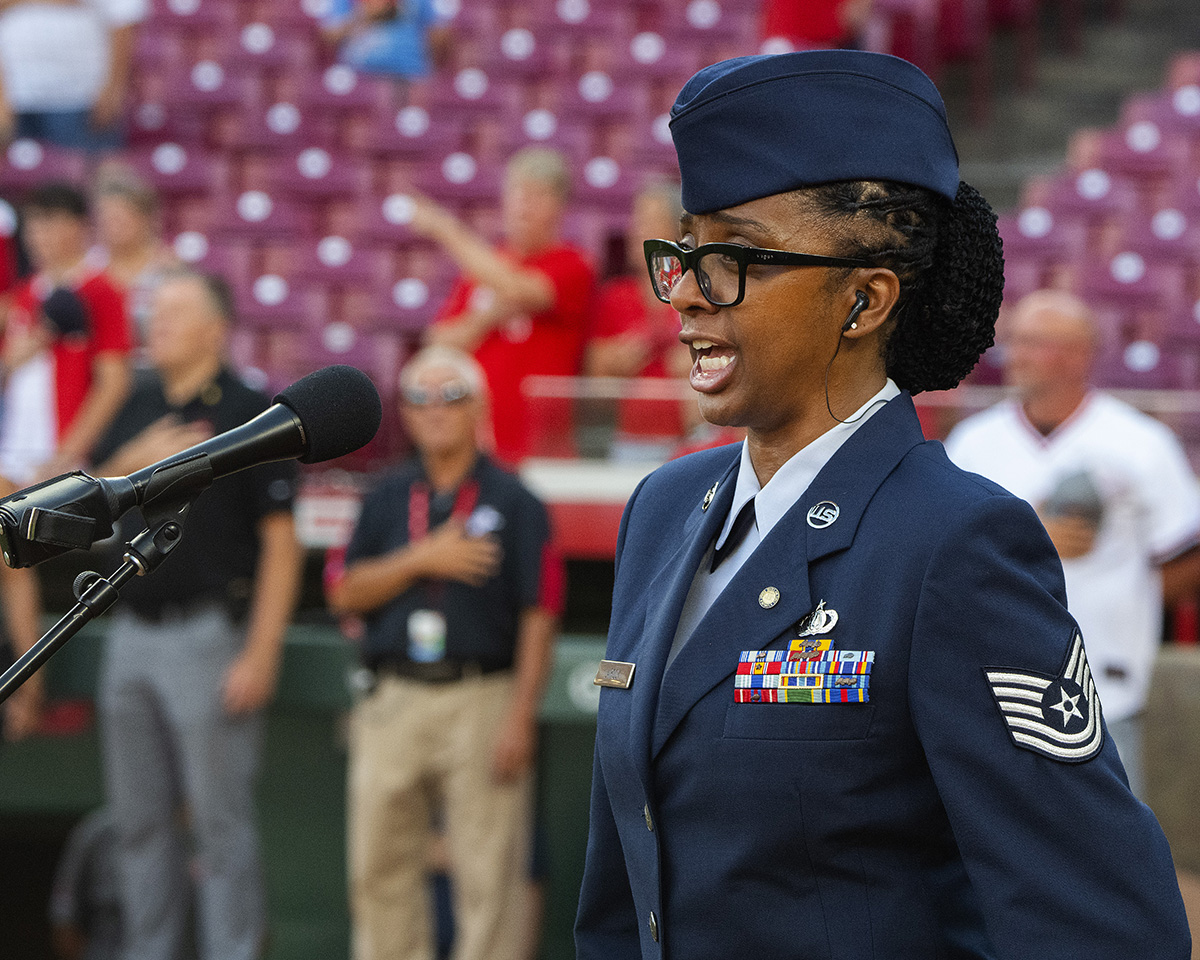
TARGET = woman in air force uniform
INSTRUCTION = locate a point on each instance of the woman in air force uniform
(844, 711)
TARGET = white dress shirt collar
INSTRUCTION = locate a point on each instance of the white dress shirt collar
(793, 478)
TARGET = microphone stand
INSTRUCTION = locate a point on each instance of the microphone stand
(95, 594)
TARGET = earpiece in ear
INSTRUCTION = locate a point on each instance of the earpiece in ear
(861, 302)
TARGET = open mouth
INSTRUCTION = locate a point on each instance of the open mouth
(710, 364)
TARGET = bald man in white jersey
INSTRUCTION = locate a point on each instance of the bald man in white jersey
(1113, 488)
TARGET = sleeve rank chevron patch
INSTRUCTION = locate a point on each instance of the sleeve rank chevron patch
(1058, 717)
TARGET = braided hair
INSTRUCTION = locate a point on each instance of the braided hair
(950, 263)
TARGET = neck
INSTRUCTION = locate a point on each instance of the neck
(446, 469)
(771, 448)
(62, 270)
(1050, 410)
(132, 258)
(182, 386)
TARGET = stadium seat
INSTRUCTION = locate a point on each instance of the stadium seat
(258, 215)
(195, 15)
(278, 126)
(270, 300)
(335, 261)
(27, 163)
(337, 88)
(317, 173)
(175, 169)
(207, 84)
(498, 138)
(1140, 365)
(459, 176)
(260, 46)
(408, 131)
(235, 261)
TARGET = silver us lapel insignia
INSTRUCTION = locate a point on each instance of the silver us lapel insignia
(1058, 717)
(817, 622)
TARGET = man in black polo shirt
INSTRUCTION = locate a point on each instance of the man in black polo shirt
(194, 648)
(452, 567)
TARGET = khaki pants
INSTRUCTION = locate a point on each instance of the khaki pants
(416, 747)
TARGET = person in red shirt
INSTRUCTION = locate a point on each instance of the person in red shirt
(67, 369)
(520, 307)
(633, 333)
(807, 24)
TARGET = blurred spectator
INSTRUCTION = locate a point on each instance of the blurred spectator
(22, 607)
(808, 24)
(401, 38)
(520, 307)
(85, 902)
(452, 568)
(66, 345)
(633, 333)
(129, 246)
(1113, 489)
(65, 66)
(193, 652)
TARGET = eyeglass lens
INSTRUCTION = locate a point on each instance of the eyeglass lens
(716, 273)
(447, 393)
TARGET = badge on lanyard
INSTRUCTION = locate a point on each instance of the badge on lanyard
(426, 636)
(427, 626)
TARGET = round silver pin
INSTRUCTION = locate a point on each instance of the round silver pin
(768, 598)
(822, 515)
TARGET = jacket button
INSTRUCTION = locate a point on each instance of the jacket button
(653, 927)
(649, 820)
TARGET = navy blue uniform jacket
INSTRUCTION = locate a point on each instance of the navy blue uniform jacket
(911, 827)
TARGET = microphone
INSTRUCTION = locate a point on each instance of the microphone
(325, 415)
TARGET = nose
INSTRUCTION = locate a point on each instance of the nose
(686, 296)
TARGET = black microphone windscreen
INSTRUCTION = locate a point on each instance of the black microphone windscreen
(339, 408)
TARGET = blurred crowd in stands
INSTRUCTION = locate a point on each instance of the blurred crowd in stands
(351, 180)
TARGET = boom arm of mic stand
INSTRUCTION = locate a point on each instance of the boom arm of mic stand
(95, 594)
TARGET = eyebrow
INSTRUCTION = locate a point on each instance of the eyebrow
(728, 219)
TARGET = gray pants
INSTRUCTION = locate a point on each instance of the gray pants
(1127, 735)
(176, 763)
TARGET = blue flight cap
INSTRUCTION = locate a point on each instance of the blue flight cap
(756, 126)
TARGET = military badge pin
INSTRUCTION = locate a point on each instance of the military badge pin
(817, 622)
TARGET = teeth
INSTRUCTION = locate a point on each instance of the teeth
(702, 344)
(715, 363)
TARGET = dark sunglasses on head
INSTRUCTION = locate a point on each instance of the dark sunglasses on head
(455, 391)
(721, 267)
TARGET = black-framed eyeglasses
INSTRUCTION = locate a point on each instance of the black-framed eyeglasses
(451, 392)
(721, 267)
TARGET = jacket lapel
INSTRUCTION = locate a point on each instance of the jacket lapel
(737, 621)
(666, 594)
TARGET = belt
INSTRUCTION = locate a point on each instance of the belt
(439, 671)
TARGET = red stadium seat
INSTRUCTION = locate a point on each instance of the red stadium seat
(336, 261)
(27, 163)
(207, 84)
(235, 261)
(408, 131)
(337, 88)
(317, 173)
(260, 46)
(460, 176)
(271, 300)
(257, 215)
(279, 126)
(175, 169)
(196, 15)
